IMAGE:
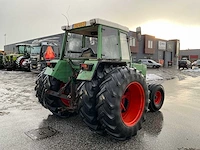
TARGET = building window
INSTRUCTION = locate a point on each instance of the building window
(150, 44)
(132, 41)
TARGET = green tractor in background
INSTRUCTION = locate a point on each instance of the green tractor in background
(94, 77)
(42, 52)
(1, 59)
(18, 60)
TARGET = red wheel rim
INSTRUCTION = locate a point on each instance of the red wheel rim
(132, 103)
(64, 101)
(158, 97)
(21, 61)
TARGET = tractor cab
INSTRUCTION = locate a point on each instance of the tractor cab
(96, 39)
(24, 49)
(42, 52)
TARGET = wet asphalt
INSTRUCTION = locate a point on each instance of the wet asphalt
(174, 127)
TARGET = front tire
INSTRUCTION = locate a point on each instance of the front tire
(122, 103)
(156, 96)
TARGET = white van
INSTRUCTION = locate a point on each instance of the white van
(150, 63)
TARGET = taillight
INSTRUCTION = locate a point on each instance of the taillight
(48, 64)
(87, 67)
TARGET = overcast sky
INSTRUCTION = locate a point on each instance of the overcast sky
(168, 19)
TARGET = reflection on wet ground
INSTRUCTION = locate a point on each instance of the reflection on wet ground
(154, 123)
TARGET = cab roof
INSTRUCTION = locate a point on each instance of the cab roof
(94, 22)
(23, 44)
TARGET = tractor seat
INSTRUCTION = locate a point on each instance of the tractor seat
(88, 52)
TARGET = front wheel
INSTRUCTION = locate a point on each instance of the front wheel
(122, 103)
(156, 97)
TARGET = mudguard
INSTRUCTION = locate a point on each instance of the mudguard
(141, 67)
(88, 75)
(62, 71)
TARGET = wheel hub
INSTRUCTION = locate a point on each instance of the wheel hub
(132, 103)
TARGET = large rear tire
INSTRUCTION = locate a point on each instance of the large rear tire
(39, 85)
(54, 104)
(87, 97)
(87, 105)
(156, 97)
(122, 103)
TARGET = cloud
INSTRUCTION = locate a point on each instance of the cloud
(22, 20)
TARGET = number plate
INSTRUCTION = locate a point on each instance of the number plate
(78, 25)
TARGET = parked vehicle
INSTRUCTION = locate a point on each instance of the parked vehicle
(1, 59)
(196, 63)
(150, 63)
(42, 52)
(184, 64)
(95, 77)
(18, 59)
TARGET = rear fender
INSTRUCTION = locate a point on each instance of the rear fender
(62, 70)
(141, 67)
(88, 75)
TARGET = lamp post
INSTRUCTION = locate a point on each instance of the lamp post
(5, 38)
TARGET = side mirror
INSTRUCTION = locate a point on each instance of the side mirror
(138, 34)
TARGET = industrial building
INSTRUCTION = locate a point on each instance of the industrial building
(162, 51)
(190, 54)
(165, 52)
(11, 48)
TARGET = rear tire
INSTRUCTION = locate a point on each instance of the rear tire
(156, 96)
(87, 92)
(54, 104)
(39, 85)
(87, 105)
(122, 103)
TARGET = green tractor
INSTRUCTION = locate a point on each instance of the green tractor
(1, 59)
(42, 52)
(19, 59)
(94, 77)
